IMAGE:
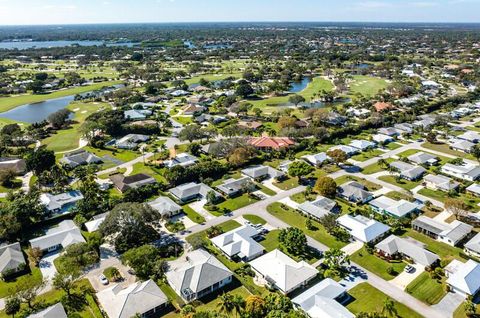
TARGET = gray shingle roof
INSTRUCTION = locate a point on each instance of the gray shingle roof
(11, 257)
(409, 247)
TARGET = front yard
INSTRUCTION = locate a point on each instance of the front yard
(368, 184)
(377, 265)
(426, 289)
(469, 200)
(287, 184)
(404, 184)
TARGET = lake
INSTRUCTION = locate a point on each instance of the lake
(37, 112)
(317, 104)
(25, 45)
(297, 87)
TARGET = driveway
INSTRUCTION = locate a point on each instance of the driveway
(47, 267)
(404, 278)
(197, 206)
(355, 277)
(449, 303)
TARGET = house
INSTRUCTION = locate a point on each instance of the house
(239, 243)
(191, 191)
(408, 248)
(60, 203)
(382, 139)
(471, 136)
(231, 187)
(282, 272)
(55, 311)
(284, 165)
(408, 171)
(474, 189)
(192, 109)
(250, 124)
(61, 236)
(423, 158)
(324, 300)
(466, 171)
(124, 183)
(182, 159)
(461, 145)
(382, 106)
(391, 207)
(358, 112)
(362, 145)
(79, 158)
(362, 228)
(439, 182)
(165, 207)
(334, 118)
(349, 151)
(143, 298)
(131, 141)
(472, 247)
(271, 143)
(197, 274)
(354, 192)
(318, 208)
(449, 233)
(425, 121)
(11, 259)
(463, 278)
(316, 159)
(14, 164)
(404, 128)
(136, 114)
(95, 223)
(388, 131)
(261, 172)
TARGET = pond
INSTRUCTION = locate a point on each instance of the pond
(317, 104)
(25, 45)
(37, 112)
(297, 87)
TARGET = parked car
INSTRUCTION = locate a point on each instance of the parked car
(103, 279)
(409, 269)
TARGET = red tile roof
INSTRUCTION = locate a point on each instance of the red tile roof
(379, 106)
(271, 142)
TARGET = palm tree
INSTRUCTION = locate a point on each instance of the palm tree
(239, 304)
(389, 308)
(226, 304)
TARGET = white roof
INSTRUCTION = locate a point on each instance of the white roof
(93, 225)
(164, 206)
(346, 149)
(361, 144)
(65, 234)
(442, 182)
(182, 159)
(282, 271)
(381, 138)
(474, 244)
(316, 158)
(362, 228)
(58, 201)
(474, 187)
(319, 301)
(397, 208)
(465, 276)
(140, 297)
(239, 242)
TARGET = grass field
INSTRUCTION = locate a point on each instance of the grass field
(374, 168)
(255, 219)
(375, 264)
(193, 215)
(368, 184)
(405, 184)
(469, 200)
(426, 289)
(369, 299)
(7, 288)
(7, 103)
(367, 85)
(236, 203)
(364, 156)
(446, 149)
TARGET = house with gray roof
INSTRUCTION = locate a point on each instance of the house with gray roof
(55, 311)
(423, 158)
(261, 172)
(64, 234)
(408, 171)
(465, 171)
(474, 189)
(472, 247)
(462, 145)
(282, 272)
(463, 278)
(182, 159)
(316, 160)
(440, 182)
(197, 274)
(60, 203)
(449, 233)
(348, 150)
(79, 158)
(406, 248)
(239, 243)
(404, 128)
(362, 228)
(397, 209)
(124, 183)
(165, 206)
(131, 141)
(94, 224)
(471, 136)
(382, 139)
(362, 145)
(12, 259)
(388, 131)
(232, 187)
(137, 114)
(319, 207)
(143, 298)
(324, 300)
(14, 164)
(354, 192)
(192, 191)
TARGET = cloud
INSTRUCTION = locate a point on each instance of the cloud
(60, 7)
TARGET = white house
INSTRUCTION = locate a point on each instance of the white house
(61, 236)
(472, 247)
(362, 145)
(463, 278)
(239, 242)
(362, 228)
(466, 171)
(282, 272)
(397, 209)
(165, 207)
(318, 208)
(439, 182)
(316, 159)
(182, 159)
(449, 233)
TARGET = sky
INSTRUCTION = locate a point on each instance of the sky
(21, 12)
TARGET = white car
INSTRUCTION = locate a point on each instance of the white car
(103, 279)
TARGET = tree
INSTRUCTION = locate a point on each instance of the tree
(389, 308)
(326, 186)
(211, 197)
(40, 160)
(475, 151)
(239, 156)
(338, 156)
(59, 118)
(299, 169)
(244, 90)
(286, 122)
(226, 303)
(296, 99)
(470, 308)
(28, 290)
(255, 306)
(336, 260)
(329, 222)
(293, 240)
(145, 260)
(7, 178)
(191, 133)
(65, 282)
(12, 305)
(431, 137)
(34, 255)
(456, 207)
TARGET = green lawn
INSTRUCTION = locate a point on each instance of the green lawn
(271, 240)
(255, 219)
(469, 200)
(184, 120)
(369, 299)
(119, 154)
(367, 85)
(393, 145)
(409, 152)
(399, 196)
(364, 156)
(236, 203)
(297, 220)
(460, 311)
(374, 168)
(446, 149)
(426, 289)
(376, 265)
(287, 184)
(405, 184)
(368, 184)
(7, 103)
(266, 190)
(7, 288)
(149, 170)
(225, 226)
(192, 215)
